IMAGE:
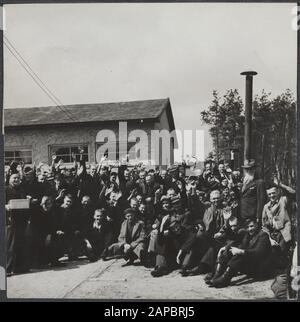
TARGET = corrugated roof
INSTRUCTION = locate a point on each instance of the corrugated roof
(84, 113)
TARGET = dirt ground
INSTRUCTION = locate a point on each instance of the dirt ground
(109, 280)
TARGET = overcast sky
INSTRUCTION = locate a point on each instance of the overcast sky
(97, 53)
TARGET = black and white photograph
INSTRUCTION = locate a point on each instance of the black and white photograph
(150, 151)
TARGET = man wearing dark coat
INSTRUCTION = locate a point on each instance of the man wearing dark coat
(99, 236)
(198, 243)
(126, 183)
(231, 235)
(249, 258)
(86, 215)
(70, 225)
(16, 227)
(47, 237)
(170, 238)
(253, 197)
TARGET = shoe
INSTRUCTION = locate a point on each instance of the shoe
(198, 270)
(72, 258)
(183, 272)
(223, 280)
(212, 276)
(208, 278)
(93, 259)
(57, 264)
(128, 263)
(104, 254)
(192, 272)
(159, 272)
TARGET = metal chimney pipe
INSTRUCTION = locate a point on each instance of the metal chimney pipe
(248, 114)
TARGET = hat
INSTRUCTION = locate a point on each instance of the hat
(248, 164)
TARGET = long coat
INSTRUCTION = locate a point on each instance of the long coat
(253, 199)
(138, 234)
(16, 229)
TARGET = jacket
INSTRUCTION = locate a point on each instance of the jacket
(138, 234)
(275, 218)
(253, 199)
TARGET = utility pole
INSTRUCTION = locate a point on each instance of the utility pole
(248, 114)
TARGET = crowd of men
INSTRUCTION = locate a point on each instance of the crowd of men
(220, 223)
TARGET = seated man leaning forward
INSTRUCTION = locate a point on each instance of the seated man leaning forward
(131, 241)
(249, 258)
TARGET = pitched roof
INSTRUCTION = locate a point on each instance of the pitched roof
(85, 113)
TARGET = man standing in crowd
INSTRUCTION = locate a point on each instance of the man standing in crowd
(70, 227)
(253, 193)
(276, 222)
(16, 226)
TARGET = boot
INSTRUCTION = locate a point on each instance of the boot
(183, 271)
(198, 270)
(103, 256)
(159, 271)
(218, 272)
(208, 278)
(129, 261)
(223, 280)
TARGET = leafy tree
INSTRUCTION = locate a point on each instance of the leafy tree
(274, 123)
(273, 136)
(226, 121)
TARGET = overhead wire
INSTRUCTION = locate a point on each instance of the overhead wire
(36, 78)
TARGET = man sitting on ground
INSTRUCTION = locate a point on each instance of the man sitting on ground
(249, 258)
(99, 236)
(131, 241)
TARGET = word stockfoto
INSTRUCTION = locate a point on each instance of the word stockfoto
(154, 148)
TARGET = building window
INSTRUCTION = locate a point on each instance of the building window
(18, 155)
(66, 152)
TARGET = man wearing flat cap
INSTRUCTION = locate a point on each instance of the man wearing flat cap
(131, 240)
(253, 196)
